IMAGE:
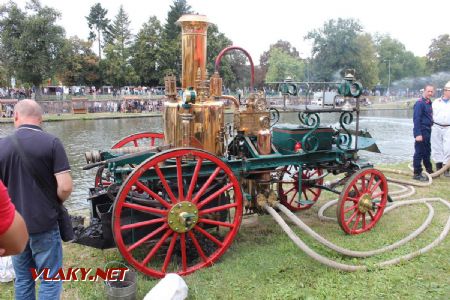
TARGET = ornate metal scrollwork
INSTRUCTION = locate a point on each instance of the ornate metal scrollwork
(274, 116)
(312, 120)
(344, 140)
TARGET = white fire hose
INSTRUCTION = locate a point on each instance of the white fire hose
(405, 191)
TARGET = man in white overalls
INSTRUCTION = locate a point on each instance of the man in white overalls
(440, 134)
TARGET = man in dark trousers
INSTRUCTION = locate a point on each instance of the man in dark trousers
(423, 120)
(46, 153)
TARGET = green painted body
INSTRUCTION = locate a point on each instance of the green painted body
(285, 136)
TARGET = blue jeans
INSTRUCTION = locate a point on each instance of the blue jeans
(43, 250)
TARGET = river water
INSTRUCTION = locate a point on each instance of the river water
(392, 130)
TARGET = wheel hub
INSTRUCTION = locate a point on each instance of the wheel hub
(365, 203)
(183, 216)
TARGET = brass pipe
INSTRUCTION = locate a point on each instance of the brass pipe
(232, 98)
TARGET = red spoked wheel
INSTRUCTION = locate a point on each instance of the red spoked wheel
(140, 139)
(137, 139)
(288, 187)
(183, 220)
(362, 201)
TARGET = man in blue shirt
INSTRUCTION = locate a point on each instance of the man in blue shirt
(423, 120)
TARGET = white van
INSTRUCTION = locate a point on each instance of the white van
(326, 98)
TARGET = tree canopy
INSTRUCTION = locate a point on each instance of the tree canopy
(439, 54)
(99, 25)
(31, 42)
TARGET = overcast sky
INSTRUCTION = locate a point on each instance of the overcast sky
(254, 25)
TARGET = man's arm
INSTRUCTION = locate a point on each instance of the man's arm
(14, 240)
(65, 185)
(417, 118)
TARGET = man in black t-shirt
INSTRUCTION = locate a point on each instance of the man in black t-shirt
(46, 153)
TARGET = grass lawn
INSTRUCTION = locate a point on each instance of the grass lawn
(263, 263)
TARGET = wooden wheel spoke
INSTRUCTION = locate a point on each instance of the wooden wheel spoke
(363, 221)
(285, 193)
(143, 223)
(350, 208)
(355, 225)
(217, 208)
(147, 237)
(356, 189)
(215, 195)
(165, 184)
(152, 141)
(183, 252)
(371, 215)
(312, 191)
(206, 185)
(135, 143)
(153, 194)
(351, 217)
(214, 222)
(378, 195)
(194, 178)
(208, 235)
(180, 179)
(375, 186)
(352, 199)
(197, 246)
(304, 194)
(363, 183)
(293, 197)
(372, 177)
(145, 208)
(156, 247)
(169, 252)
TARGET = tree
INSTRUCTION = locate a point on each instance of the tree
(439, 54)
(177, 9)
(98, 24)
(285, 46)
(117, 65)
(80, 64)
(146, 52)
(366, 63)
(217, 41)
(396, 61)
(30, 43)
(282, 65)
(170, 56)
(335, 48)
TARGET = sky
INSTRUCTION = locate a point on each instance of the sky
(255, 25)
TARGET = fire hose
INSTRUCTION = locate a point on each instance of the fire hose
(405, 191)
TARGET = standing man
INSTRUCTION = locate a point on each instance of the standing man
(423, 120)
(46, 153)
(440, 135)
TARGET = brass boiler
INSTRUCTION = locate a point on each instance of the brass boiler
(197, 118)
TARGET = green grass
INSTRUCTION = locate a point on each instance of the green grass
(263, 263)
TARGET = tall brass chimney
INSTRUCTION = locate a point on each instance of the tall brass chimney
(193, 46)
